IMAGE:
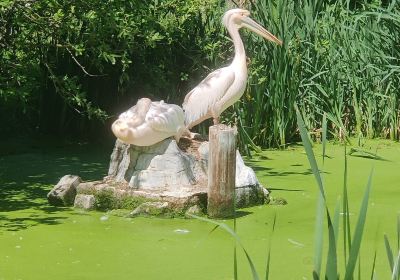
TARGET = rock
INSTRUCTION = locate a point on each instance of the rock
(90, 187)
(85, 201)
(165, 168)
(65, 191)
(162, 166)
(194, 210)
(277, 201)
(173, 178)
(151, 208)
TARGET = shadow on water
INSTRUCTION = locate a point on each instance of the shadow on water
(26, 178)
(286, 190)
(15, 224)
(268, 171)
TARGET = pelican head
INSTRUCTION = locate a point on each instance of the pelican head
(241, 18)
(121, 130)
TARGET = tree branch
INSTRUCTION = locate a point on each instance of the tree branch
(82, 67)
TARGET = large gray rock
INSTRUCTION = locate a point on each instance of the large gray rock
(162, 166)
(85, 201)
(63, 194)
(165, 169)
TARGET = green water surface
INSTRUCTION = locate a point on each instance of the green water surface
(38, 241)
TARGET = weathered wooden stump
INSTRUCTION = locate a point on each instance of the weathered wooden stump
(221, 171)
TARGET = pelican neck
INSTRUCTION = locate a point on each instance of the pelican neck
(240, 54)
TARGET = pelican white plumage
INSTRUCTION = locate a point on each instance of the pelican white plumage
(149, 122)
(223, 87)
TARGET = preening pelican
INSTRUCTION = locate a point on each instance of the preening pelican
(149, 122)
(223, 87)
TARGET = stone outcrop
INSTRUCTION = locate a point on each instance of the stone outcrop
(155, 178)
(166, 169)
(63, 194)
(160, 167)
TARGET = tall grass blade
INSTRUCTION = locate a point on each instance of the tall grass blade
(324, 131)
(357, 237)
(321, 197)
(336, 221)
(373, 273)
(395, 274)
(309, 151)
(269, 250)
(331, 263)
(346, 213)
(235, 236)
(331, 267)
(389, 252)
(235, 269)
(319, 233)
(398, 232)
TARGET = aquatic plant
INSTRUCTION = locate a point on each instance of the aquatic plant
(351, 245)
(351, 242)
(338, 57)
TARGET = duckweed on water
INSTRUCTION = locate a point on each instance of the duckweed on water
(38, 241)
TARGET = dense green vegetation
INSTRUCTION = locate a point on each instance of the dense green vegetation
(63, 63)
(69, 67)
(339, 58)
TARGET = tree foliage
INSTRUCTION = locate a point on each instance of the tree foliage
(78, 49)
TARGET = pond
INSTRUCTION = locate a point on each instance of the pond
(39, 241)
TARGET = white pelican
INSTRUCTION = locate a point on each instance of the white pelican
(223, 87)
(149, 122)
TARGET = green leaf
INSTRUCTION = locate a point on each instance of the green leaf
(324, 130)
(318, 239)
(269, 249)
(358, 233)
(389, 252)
(331, 266)
(373, 273)
(396, 268)
(309, 151)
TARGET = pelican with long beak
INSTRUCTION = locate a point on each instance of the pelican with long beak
(148, 123)
(223, 87)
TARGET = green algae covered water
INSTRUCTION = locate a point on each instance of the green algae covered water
(38, 241)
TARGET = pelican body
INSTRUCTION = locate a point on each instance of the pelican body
(148, 123)
(223, 87)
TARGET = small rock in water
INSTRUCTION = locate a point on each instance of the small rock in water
(194, 210)
(104, 218)
(183, 231)
(156, 208)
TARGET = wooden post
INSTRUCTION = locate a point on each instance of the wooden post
(221, 171)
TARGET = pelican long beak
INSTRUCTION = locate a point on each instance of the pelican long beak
(257, 28)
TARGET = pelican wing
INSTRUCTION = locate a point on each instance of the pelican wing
(165, 117)
(199, 100)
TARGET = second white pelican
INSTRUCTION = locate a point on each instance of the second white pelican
(223, 87)
(148, 123)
